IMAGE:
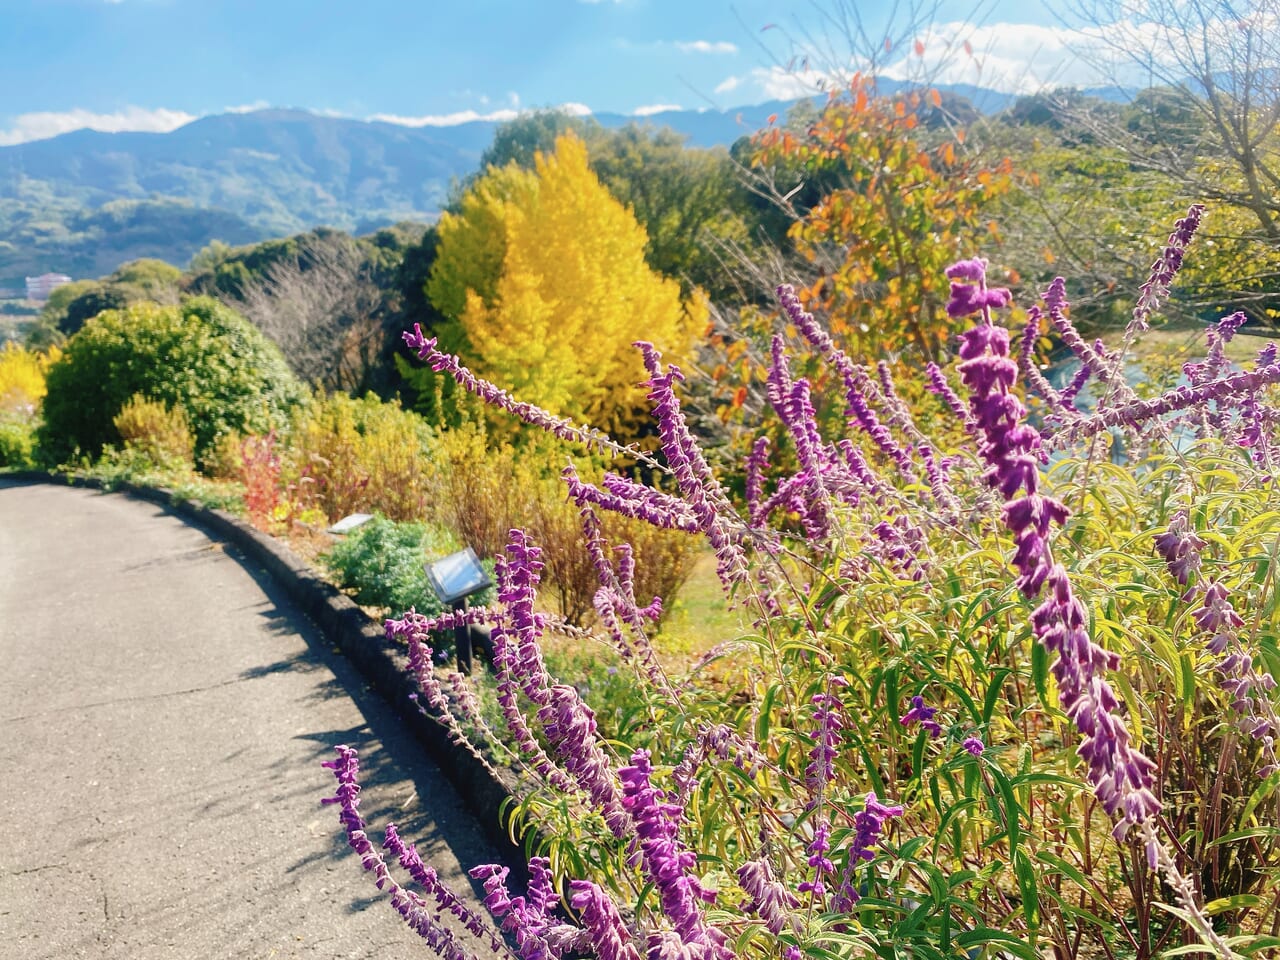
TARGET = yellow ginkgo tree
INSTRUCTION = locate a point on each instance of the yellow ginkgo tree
(544, 279)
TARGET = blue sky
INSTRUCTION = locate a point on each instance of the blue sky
(153, 64)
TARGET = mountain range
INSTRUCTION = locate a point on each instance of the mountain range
(83, 202)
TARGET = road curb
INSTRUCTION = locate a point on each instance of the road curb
(355, 633)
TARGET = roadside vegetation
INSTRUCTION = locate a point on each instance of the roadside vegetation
(856, 595)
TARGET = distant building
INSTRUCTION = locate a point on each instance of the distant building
(39, 288)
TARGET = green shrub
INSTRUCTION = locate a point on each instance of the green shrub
(200, 356)
(384, 563)
(17, 444)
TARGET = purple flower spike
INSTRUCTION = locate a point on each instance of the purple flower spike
(495, 396)
(923, 715)
(818, 848)
(1166, 267)
(609, 935)
(703, 492)
(412, 908)
(868, 824)
(668, 863)
(770, 900)
(974, 270)
(1121, 776)
(1180, 548)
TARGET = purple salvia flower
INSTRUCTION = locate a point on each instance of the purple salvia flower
(923, 715)
(967, 299)
(757, 460)
(713, 740)
(1076, 384)
(1247, 687)
(770, 899)
(667, 862)
(1137, 412)
(861, 470)
(1030, 372)
(1180, 548)
(616, 605)
(526, 918)
(495, 396)
(1095, 361)
(427, 878)
(974, 270)
(518, 578)
(1256, 426)
(1166, 268)
(938, 385)
(570, 725)
(822, 866)
(1215, 364)
(610, 938)
(868, 824)
(826, 737)
(412, 908)
(651, 506)
(415, 630)
(791, 399)
(1120, 775)
(697, 484)
(856, 382)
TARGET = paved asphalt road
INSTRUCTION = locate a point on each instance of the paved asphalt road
(163, 715)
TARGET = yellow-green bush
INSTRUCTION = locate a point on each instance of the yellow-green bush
(345, 455)
(482, 489)
(157, 431)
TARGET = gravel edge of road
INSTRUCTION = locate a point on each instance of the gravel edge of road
(353, 631)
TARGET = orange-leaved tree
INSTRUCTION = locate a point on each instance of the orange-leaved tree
(902, 200)
(543, 276)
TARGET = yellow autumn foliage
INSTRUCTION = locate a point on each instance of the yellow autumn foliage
(557, 323)
(22, 373)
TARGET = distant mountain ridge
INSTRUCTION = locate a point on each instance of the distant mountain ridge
(242, 177)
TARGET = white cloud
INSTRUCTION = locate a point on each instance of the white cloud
(42, 125)
(444, 119)
(469, 116)
(706, 46)
(728, 84)
(779, 83)
(248, 107)
(651, 109)
(1023, 58)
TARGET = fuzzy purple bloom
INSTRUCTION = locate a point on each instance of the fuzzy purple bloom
(705, 496)
(770, 899)
(1166, 267)
(1180, 548)
(632, 500)
(609, 935)
(822, 866)
(923, 715)
(868, 824)
(821, 768)
(495, 396)
(1121, 776)
(667, 862)
(858, 386)
(411, 907)
(973, 746)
